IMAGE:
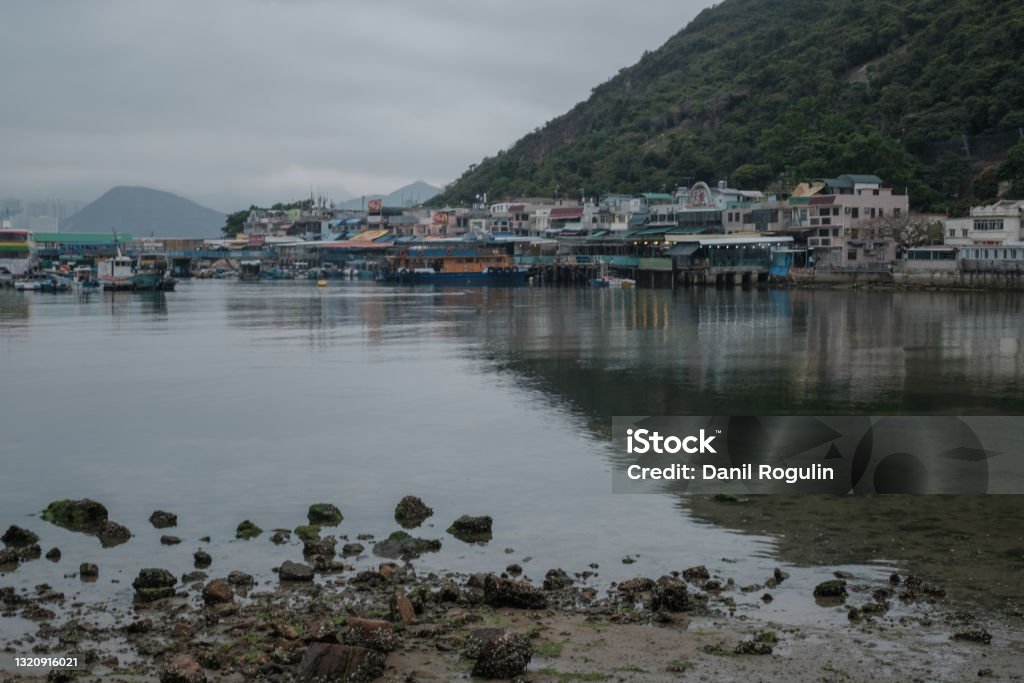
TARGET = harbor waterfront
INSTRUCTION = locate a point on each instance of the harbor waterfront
(227, 401)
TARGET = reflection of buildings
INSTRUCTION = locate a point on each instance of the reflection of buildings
(618, 352)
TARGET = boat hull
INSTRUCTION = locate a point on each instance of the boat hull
(516, 277)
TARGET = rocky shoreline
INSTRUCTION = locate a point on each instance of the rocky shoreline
(321, 619)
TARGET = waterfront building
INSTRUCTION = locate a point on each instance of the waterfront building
(995, 224)
(843, 220)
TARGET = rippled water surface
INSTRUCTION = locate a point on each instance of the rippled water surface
(226, 401)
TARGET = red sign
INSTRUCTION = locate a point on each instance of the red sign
(257, 240)
(374, 205)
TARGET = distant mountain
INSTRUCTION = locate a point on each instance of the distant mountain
(410, 195)
(142, 211)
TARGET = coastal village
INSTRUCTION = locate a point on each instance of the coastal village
(851, 229)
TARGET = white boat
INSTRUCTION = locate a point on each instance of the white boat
(84, 279)
(605, 280)
(115, 273)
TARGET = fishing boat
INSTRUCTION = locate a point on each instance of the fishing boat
(115, 273)
(250, 271)
(613, 282)
(43, 282)
(151, 274)
(605, 279)
(452, 264)
(17, 251)
(84, 279)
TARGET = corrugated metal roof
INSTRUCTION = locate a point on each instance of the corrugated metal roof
(562, 214)
(80, 238)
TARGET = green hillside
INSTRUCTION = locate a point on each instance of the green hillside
(928, 94)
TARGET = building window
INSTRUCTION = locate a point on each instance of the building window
(835, 232)
(855, 212)
(896, 212)
(874, 192)
(851, 255)
(964, 232)
(988, 224)
(835, 211)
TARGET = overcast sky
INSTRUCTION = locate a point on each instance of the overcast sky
(253, 101)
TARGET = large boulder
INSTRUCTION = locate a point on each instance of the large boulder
(217, 592)
(163, 520)
(375, 634)
(324, 514)
(9, 556)
(112, 533)
(323, 547)
(240, 579)
(670, 594)
(504, 656)
(247, 529)
(76, 515)
(556, 579)
(401, 544)
(472, 529)
(401, 608)
(325, 662)
(499, 592)
(411, 512)
(182, 669)
(153, 584)
(294, 571)
(17, 537)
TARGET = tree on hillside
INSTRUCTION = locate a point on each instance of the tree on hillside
(1012, 171)
(235, 222)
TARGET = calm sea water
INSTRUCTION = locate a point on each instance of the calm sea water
(226, 401)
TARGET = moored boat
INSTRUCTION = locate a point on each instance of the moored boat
(613, 282)
(115, 274)
(250, 271)
(453, 264)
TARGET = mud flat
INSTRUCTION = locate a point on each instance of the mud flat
(316, 617)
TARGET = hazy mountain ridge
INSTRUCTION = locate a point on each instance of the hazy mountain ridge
(143, 211)
(411, 194)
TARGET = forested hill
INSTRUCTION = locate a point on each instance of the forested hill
(767, 92)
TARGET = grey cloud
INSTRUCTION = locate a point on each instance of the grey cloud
(238, 102)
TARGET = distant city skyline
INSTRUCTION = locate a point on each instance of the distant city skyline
(237, 102)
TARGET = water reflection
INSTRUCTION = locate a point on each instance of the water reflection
(309, 393)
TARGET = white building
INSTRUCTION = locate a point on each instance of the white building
(995, 224)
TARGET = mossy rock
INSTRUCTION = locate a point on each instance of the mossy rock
(835, 588)
(76, 515)
(324, 514)
(412, 511)
(247, 530)
(153, 584)
(472, 529)
(402, 544)
(308, 532)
